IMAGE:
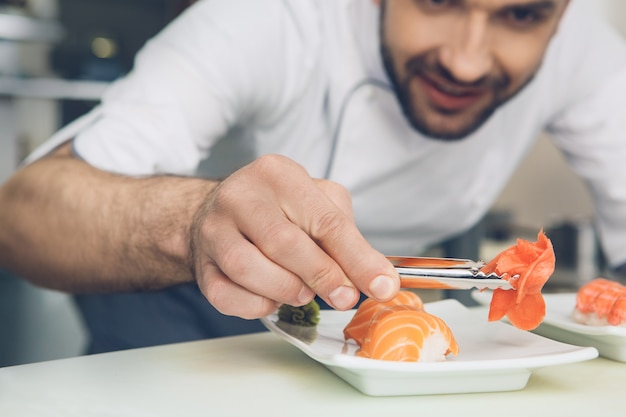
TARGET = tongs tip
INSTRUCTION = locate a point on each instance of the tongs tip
(419, 272)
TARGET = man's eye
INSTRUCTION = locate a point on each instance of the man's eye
(522, 17)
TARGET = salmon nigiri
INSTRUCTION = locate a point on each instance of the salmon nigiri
(404, 333)
(533, 263)
(601, 302)
(357, 327)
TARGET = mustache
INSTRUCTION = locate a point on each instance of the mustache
(421, 65)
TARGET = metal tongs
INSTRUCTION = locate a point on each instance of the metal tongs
(445, 273)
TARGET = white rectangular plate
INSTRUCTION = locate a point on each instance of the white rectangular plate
(559, 325)
(493, 356)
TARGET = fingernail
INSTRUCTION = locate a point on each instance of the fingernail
(343, 298)
(382, 287)
(306, 295)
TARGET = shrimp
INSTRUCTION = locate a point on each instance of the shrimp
(601, 302)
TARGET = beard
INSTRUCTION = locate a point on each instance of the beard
(427, 66)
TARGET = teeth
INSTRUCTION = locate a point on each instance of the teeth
(450, 91)
(447, 89)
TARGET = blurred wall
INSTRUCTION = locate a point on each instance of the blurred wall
(38, 324)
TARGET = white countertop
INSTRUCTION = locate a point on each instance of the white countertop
(261, 374)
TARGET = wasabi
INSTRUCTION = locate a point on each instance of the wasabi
(307, 315)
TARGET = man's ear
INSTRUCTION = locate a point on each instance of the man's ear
(377, 2)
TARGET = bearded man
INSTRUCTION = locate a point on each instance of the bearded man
(264, 152)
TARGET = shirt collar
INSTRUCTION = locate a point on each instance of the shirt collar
(365, 22)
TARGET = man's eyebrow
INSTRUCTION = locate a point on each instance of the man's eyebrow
(545, 5)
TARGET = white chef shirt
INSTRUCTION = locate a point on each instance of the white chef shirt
(305, 79)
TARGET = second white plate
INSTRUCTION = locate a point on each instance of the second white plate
(559, 325)
(493, 356)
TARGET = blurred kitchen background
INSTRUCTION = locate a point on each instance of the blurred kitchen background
(56, 58)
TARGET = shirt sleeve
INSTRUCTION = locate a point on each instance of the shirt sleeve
(219, 65)
(590, 127)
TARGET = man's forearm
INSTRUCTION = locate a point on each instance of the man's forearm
(69, 226)
(269, 234)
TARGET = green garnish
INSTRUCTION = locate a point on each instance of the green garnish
(307, 315)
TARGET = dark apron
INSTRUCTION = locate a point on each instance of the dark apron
(133, 320)
(177, 314)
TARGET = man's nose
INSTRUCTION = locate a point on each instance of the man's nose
(466, 53)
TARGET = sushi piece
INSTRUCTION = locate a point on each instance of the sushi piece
(601, 302)
(407, 334)
(533, 264)
(360, 323)
(617, 316)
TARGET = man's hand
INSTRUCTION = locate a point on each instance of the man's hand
(270, 234)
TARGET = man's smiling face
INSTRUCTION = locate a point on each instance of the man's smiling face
(453, 62)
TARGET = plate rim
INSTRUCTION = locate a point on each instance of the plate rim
(569, 325)
(347, 361)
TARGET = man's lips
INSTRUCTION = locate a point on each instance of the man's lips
(449, 98)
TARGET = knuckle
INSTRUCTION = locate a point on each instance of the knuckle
(287, 292)
(332, 187)
(274, 165)
(224, 196)
(231, 259)
(328, 225)
(270, 160)
(278, 238)
(338, 194)
(268, 163)
(322, 278)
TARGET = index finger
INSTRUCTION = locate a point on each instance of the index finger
(336, 234)
(364, 266)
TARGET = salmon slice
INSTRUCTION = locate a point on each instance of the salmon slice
(404, 333)
(533, 263)
(601, 302)
(357, 327)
